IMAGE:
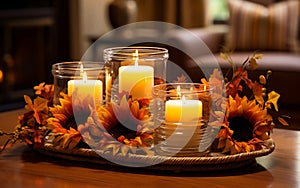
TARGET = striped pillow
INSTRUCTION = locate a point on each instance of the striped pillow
(257, 27)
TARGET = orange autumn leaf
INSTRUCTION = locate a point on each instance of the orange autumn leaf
(39, 107)
(257, 91)
(282, 121)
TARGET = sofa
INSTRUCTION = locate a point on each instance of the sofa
(282, 59)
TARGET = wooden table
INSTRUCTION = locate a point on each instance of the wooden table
(21, 167)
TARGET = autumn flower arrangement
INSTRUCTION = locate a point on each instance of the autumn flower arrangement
(101, 129)
(245, 120)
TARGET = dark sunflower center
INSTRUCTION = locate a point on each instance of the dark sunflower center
(242, 128)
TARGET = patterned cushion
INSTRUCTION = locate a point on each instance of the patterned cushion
(257, 27)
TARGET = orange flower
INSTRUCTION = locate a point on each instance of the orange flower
(246, 123)
(106, 128)
(63, 124)
(246, 126)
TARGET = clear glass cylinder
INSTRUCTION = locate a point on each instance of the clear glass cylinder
(180, 113)
(86, 78)
(128, 67)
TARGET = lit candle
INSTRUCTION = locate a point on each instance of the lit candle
(86, 88)
(183, 110)
(137, 80)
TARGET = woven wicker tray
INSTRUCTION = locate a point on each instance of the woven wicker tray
(215, 161)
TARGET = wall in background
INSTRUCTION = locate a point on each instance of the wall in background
(90, 20)
(33, 36)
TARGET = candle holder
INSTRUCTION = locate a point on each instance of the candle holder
(134, 70)
(180, 113)
(82, 78)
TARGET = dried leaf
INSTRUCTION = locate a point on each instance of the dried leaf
(39, 88)
(133, 149)
(253, 64)
(228, 146)
(124, 150)
(41, 104)
(258, 56)
(224, 56)
(65, 141)
(37, 117)
(148, 151)
(135, 108)
(28, 101)
(116, 148)
(282, 121)
(273, 98)
(72, 144)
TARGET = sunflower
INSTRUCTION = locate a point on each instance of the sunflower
(105, 128)
(245, 128)
(245, 124)
(63, 123)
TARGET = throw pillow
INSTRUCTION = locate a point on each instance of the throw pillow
(263, 2)
(257, 27)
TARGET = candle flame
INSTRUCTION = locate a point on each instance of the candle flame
(204, 87)
(136, 57)
(178, 91)
(84, 77)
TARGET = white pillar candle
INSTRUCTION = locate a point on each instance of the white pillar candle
(183, 110)
(86, 88)
(137, 80)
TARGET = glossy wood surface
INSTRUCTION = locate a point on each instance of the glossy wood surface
(22, 167)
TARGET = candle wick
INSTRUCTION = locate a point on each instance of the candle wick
(136, 63)
(183, 99)
(84, 77)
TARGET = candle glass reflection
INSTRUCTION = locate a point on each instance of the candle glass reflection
(79, 79)
(133, 71)
(180, 114)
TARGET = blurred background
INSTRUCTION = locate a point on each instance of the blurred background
(34, 34)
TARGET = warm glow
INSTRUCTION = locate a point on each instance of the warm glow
(178, 91)
(183, 110)
(86, 89)
(1, 76)
(136, 79)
